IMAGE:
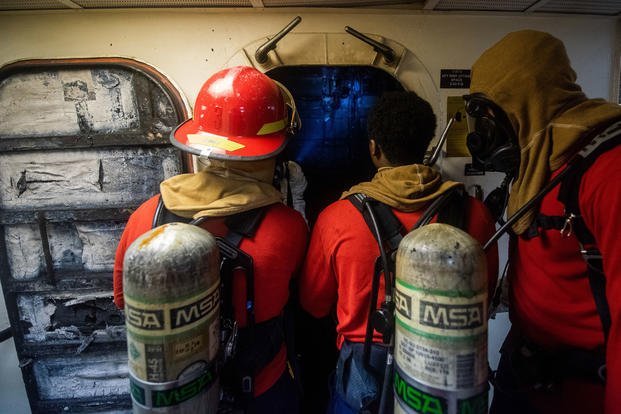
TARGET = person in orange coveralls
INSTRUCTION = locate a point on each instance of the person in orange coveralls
(563, 353)
(340, 260)
(241, 122)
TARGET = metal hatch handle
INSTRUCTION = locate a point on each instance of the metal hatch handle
(385, 51)
(261, 54)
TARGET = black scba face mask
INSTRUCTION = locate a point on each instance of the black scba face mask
(491, 139)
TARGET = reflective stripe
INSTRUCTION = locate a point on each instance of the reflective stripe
(272, 127)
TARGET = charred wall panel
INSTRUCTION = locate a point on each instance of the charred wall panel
(80, 149)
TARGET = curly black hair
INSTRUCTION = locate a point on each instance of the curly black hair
(403, 124)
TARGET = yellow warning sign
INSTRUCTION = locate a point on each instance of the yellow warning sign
(456, 136)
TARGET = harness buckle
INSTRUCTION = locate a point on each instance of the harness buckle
(230, 336)
(601, 373)
(246, 384)
(568, 226)
(590, 254)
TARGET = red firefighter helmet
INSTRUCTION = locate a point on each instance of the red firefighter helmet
(240, 114)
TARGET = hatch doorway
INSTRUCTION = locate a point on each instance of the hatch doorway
(332, 145)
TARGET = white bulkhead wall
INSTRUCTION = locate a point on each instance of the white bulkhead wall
(188, 45)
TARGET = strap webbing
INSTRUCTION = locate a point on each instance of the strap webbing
(569, 196)
(391, 229)
(450, 208)
(388, 232)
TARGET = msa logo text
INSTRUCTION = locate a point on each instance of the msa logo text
(440, 315)
(150, 320)
(403, 304)
(192, 312)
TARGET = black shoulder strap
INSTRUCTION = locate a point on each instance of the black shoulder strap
(243, 224)
(391, 229)
(569, 196)
(163, 215)
(455, 210)
(388, 232)
(240, 225)
(570, 186)
(451, 208)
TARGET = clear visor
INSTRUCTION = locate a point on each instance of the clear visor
(480, 118)
(471, 122)
(484, 126)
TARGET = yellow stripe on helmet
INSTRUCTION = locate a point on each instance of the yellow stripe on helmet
(272, 127)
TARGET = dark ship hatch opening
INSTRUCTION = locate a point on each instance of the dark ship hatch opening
(332, 145)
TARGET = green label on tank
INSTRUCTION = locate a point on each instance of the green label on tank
(421, 399)
(473, 405)
(154, 395)
(166, 398)
(137, 392)
(418, 400)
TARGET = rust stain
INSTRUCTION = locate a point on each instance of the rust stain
(153, 235)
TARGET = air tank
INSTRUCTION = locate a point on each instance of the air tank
(171, 287)
(441, 323)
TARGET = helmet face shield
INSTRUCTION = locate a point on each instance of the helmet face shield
(491, 139)
(240, 114)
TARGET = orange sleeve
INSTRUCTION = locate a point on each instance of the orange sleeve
(318, 282)
(600, 201)
(139, 223)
